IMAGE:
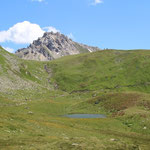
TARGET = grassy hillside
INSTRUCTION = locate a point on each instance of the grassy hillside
(20, 78)
(35, 96)
(103, 70)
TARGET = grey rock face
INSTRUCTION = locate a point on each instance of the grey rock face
(52, 46)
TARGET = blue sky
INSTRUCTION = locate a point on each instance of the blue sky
(117, 24)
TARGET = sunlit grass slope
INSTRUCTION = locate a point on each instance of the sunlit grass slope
(103, 70)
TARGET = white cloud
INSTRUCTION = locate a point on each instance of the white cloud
(51, 29)
(11, 50)
(25, 33)
(97, 2)
(37, 0)
(22, 33)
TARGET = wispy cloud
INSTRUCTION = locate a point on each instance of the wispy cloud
(11, 50)
(37, 0)
(51, 29)
(97, 2)
(71, 36)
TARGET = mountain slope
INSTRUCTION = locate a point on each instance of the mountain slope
(52, 46)
(108, 70)
(35, 96)
(21, 76)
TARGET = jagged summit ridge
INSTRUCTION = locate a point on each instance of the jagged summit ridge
(52, 46)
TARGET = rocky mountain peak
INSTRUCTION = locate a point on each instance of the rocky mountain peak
(52, 46)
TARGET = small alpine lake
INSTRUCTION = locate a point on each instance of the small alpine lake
(85, 116)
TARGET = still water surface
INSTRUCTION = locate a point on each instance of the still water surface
(86, 116)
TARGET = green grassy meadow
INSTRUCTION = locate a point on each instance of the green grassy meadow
(35, 96)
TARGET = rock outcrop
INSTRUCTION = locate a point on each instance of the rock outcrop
(52, 46)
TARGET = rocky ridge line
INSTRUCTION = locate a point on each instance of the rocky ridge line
(52, 46)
